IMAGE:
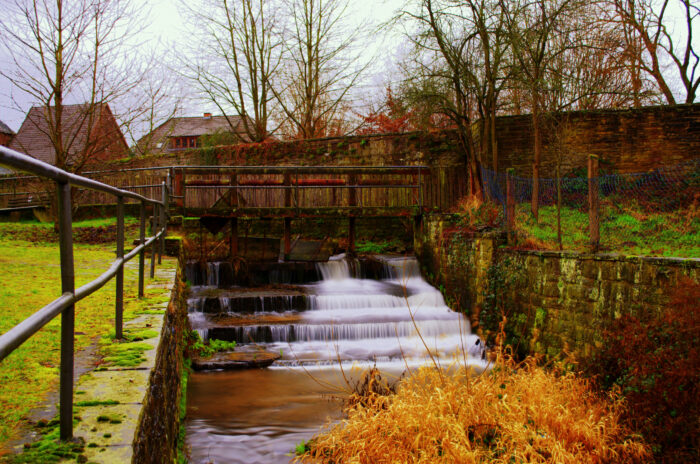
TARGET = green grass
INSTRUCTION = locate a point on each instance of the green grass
(622, 230)
(378, 247)
(95, 222)
(30, 274)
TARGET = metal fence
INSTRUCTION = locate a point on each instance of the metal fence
(65, 304)
(654, 212)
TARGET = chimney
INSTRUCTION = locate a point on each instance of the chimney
(207, 115)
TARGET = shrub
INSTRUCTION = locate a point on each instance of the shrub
(655, 361)
(514, 413)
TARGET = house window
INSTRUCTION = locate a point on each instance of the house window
(184, 142)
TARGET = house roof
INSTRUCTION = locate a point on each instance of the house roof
(33, 136)
(193, 126)
(5, 130)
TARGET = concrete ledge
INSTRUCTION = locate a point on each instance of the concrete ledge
(109, 400)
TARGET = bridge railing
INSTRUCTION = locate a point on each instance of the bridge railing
(203, 187)
(298, 187)
(65, 182)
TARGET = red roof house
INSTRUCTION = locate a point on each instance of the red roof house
(90, 135)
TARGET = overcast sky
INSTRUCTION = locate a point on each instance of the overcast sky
(166, 26)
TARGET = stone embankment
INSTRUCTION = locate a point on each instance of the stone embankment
(560, 301)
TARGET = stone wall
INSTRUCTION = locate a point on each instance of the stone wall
(626, 141)
(156, 437)
(556, 301)
(631, 140)
(408, 149)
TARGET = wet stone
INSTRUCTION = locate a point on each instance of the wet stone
(230, 360)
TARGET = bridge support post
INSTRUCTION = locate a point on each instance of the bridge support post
(418, 223)
(233, 239)
(287, 237)
(351, 235)
(177, 180)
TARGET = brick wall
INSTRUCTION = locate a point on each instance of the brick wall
(634, 140)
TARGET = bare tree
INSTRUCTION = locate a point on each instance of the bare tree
(158, 98)
(488, 21)
(69, 51)
(445, 71)
(538, 32)
(321, 67)
(651, 24)
(236, 59)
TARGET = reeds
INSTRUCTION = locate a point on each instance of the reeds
(512, 413)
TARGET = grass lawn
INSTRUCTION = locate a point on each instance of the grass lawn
(622, 230)
(30, 274)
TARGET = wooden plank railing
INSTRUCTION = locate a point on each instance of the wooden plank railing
(198, 188)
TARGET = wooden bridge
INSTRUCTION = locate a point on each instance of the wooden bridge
(223, 194)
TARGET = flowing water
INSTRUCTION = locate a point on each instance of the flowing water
(326, 332)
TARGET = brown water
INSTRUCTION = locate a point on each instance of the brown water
(257, 416)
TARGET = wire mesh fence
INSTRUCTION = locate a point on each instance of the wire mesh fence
(648, 213)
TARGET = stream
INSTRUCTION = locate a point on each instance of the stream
(328, 327)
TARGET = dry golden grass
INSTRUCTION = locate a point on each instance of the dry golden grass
(511, 414)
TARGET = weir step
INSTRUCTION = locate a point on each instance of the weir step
(248, 304)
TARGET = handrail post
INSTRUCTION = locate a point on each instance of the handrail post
(142, 240)
(154, 244)
(163, 221)
(593, 204)
(119, 306)
(65, 230)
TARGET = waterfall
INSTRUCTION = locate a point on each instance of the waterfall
(399, 319)
(337, 268)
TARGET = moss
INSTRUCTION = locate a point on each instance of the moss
(48, 449)
(128, 354)
(96, 403)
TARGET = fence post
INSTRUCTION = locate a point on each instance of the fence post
(119, 306)
(510, 205)
(142, 240)
(65, 230)
(593, 204)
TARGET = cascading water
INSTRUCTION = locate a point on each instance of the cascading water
(395, 322)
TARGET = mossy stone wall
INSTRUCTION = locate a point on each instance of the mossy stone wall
(156, 437)
(562, 301)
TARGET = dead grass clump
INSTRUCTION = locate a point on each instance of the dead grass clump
(511, 414)
(477, 214)
(371, 391)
